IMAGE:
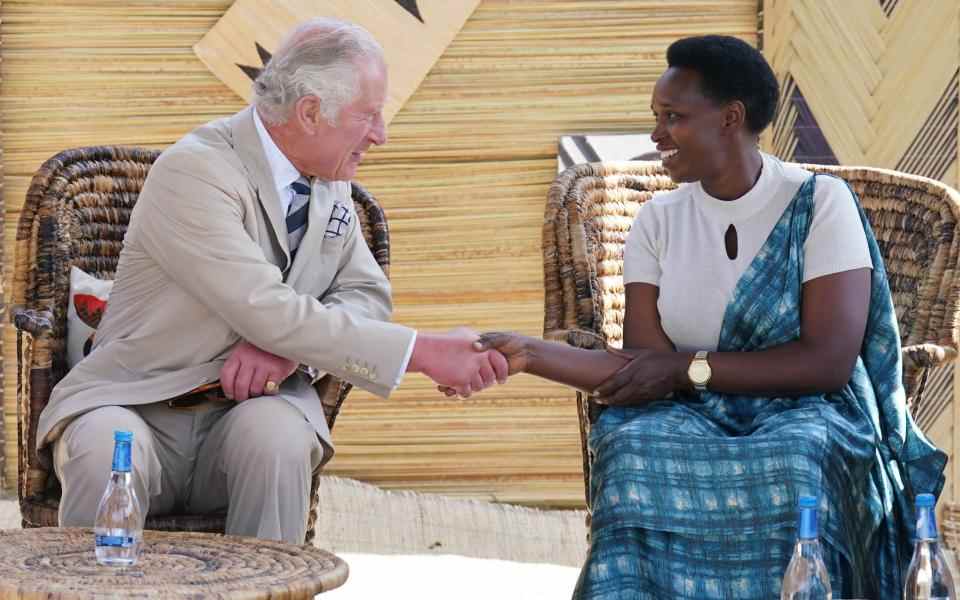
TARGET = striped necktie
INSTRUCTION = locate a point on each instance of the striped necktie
(297, 214)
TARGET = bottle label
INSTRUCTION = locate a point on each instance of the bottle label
(115, 541)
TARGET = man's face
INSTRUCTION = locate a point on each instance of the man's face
(333, 152)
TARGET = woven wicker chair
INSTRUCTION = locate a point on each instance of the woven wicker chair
(591, 207)
(76, 213)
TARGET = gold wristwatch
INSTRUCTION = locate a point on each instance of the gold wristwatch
(699, 371)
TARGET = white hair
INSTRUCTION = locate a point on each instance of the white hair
(320, 57)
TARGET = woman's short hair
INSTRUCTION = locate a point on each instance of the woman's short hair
(321, 57)
(730, 69)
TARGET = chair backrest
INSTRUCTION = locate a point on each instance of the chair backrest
(75, 214)
(590, 209)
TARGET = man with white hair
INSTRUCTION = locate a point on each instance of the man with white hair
(244, 262)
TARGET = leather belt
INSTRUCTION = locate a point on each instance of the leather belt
(208, 392)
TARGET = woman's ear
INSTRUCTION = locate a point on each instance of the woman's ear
(734, 117)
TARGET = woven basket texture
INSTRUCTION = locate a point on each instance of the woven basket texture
(591, 207)
(60, 563)
(76, 213)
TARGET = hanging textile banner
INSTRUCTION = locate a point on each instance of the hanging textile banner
(413, 33)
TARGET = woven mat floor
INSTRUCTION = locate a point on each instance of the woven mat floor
(429, 547)
(407, 545)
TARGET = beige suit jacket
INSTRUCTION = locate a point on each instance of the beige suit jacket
(205, 264)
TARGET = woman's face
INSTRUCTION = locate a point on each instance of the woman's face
(690, 132)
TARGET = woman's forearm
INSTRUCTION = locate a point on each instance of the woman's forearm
(791, 369)
(576, 367)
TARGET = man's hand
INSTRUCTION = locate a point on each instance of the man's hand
(514, 348)
(248, 369)
(451, 360)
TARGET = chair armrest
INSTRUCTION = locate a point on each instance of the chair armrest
(35, 322)
(926, 356)
(578, 338)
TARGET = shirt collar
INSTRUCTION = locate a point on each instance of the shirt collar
(283, 171)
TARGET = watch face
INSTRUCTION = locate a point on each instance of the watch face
(699, 372)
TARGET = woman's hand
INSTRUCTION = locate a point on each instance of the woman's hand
(650, 375)
(516, 348)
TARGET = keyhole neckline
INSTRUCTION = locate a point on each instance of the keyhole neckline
(731, 242)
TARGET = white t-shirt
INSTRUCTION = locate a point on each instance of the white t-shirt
(677, 244)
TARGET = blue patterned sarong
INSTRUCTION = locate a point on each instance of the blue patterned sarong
(695, 498)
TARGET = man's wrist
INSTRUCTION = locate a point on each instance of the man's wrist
(420, 348)
(428, 347)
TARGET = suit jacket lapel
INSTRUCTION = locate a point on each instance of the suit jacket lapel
(250, 150)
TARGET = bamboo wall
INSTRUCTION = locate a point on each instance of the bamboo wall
(463, 180)
(868, 82)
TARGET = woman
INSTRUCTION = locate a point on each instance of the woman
(761, 362)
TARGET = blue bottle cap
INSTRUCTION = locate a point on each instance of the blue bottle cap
(122, 436)
(807, 523)
(925, 501)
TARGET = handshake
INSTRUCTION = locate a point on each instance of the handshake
(463, 363)
(459, 361)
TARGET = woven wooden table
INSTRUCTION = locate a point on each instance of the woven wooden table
(59, 563)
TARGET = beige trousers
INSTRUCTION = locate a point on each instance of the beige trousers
(254, 459)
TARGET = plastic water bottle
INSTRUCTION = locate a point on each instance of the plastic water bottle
(928, 577)
(806, 577)
(118, 527)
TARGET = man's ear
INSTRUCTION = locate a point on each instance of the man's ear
(734, 117)
(308, 114)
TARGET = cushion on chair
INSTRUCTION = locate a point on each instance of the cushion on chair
(88, 300)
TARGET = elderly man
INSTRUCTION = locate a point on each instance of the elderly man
(244, 262)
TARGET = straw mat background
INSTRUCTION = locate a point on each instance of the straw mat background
(463, 180)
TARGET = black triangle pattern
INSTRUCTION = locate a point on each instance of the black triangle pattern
(411, 7)
(254, 72)
(812, 145)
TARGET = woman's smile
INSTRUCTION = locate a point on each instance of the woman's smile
(667, 157)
